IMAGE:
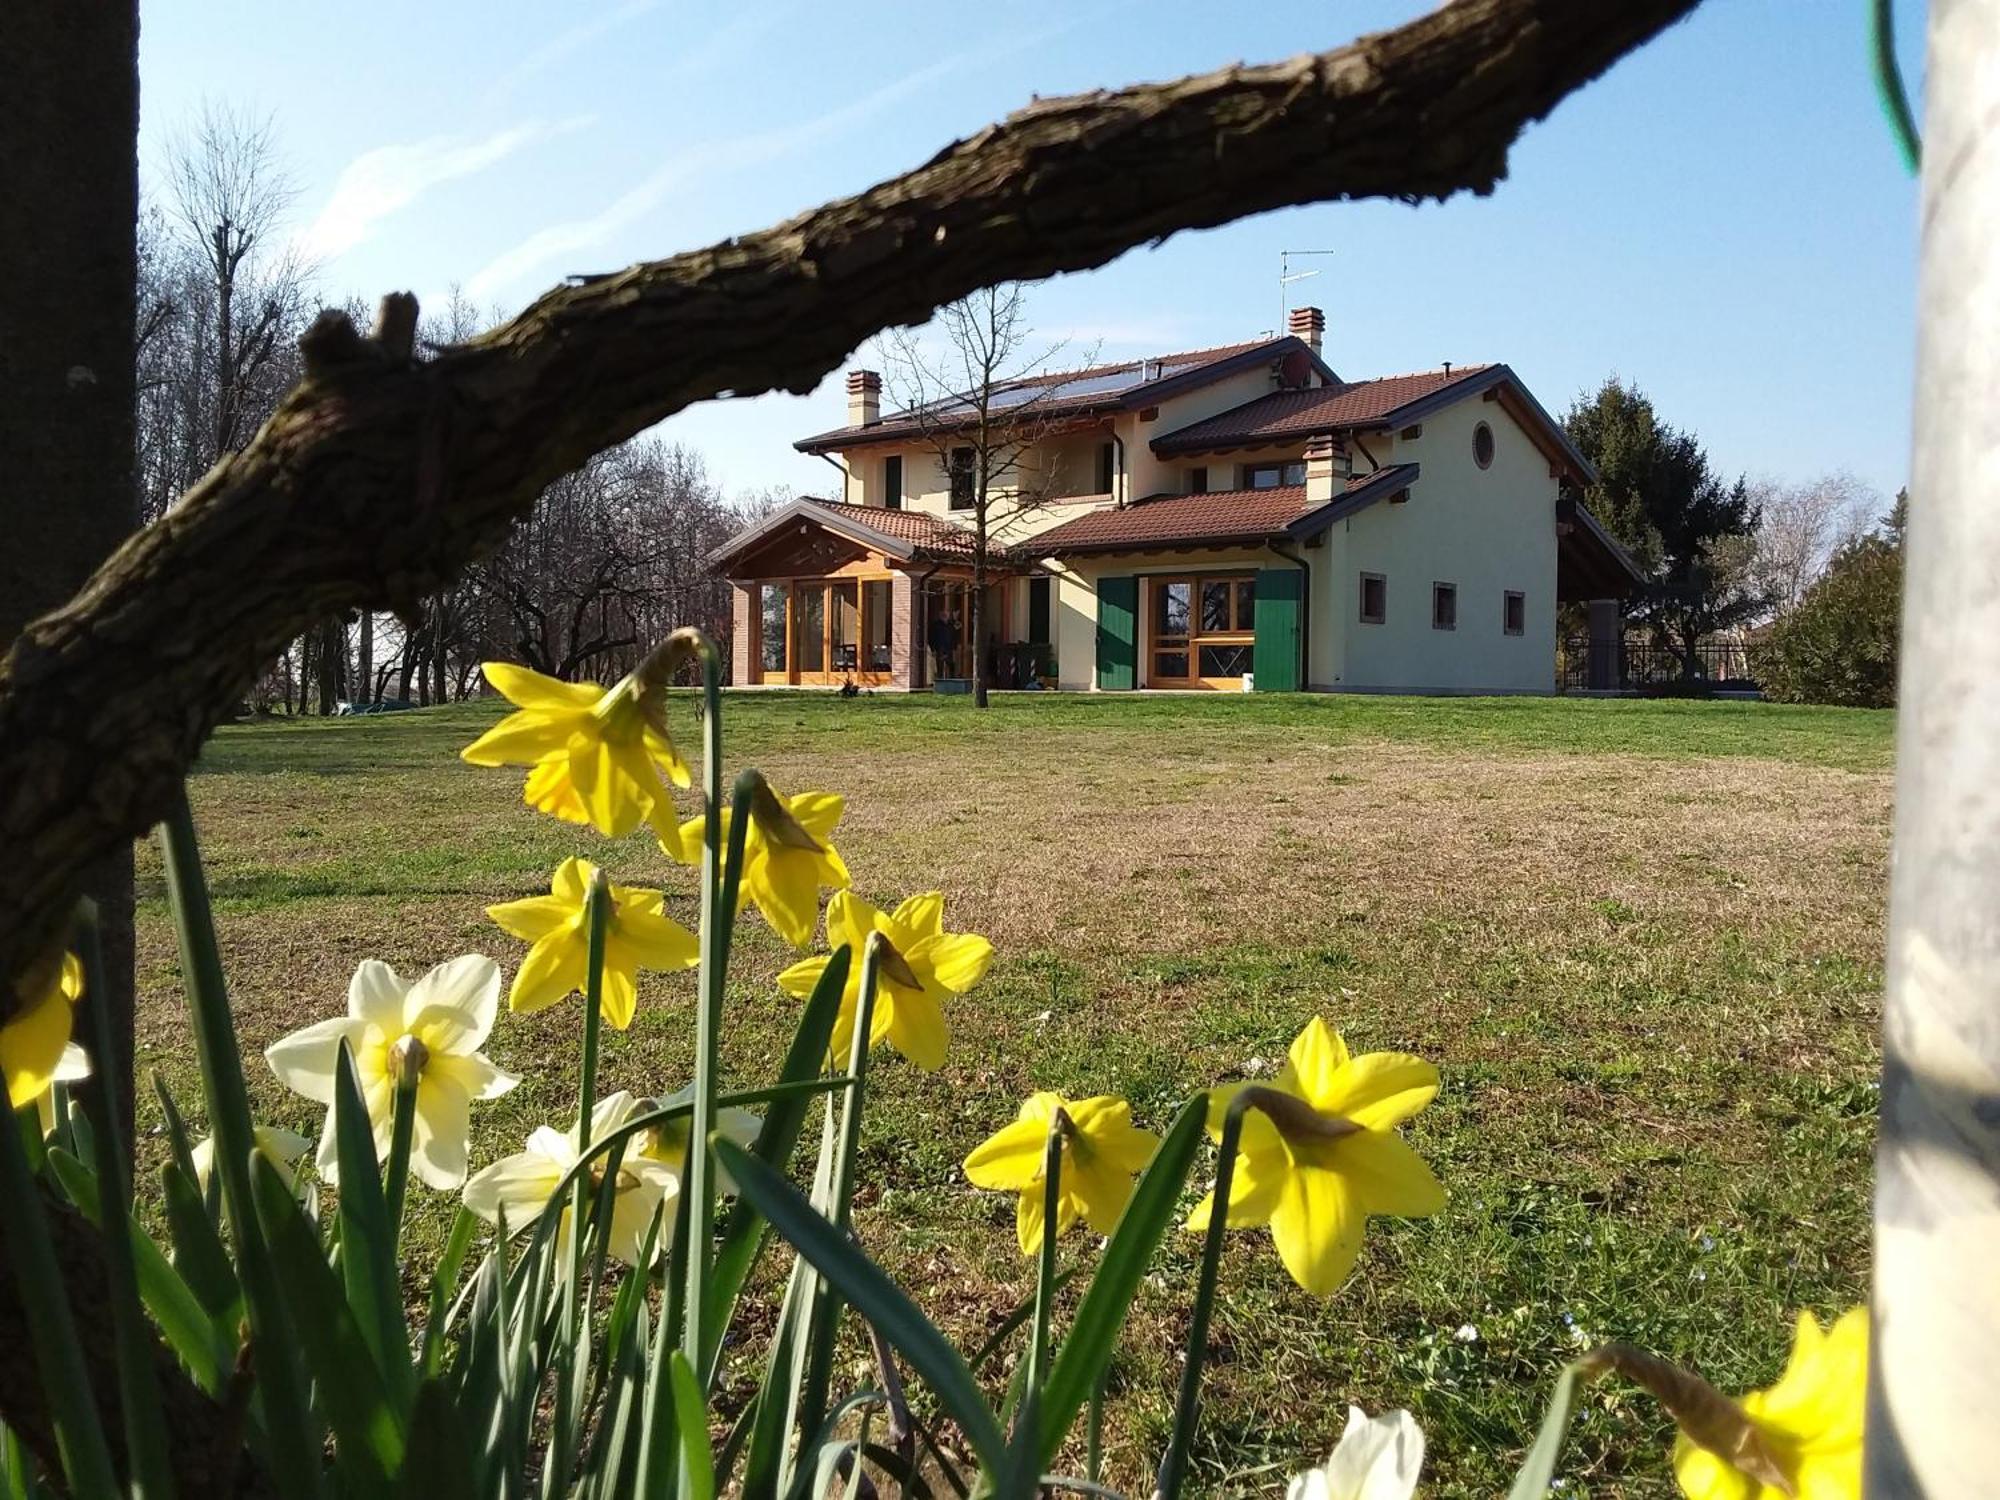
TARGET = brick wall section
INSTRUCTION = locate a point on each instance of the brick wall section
(903, 645)
(743, 636)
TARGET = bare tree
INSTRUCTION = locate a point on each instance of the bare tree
(1803, 526)
(991, 446)
(228, 196)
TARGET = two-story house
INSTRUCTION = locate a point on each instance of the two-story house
(1211, 519)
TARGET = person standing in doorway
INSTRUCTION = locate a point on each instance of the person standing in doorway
(942, 639)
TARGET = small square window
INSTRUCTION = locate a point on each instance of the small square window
(1374, 599)
(1198, 481)
(1444, 606)
(1514, 613)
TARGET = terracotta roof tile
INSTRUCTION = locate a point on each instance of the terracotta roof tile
(1296, 413)
(1223, 517)
(1093, 388)
(931, 535)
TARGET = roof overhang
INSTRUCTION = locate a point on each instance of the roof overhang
(1384, 484)
(826, 517)
(1590, 561)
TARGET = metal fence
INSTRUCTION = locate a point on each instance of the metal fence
(1643, 664)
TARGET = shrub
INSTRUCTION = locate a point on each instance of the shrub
(1839, 645)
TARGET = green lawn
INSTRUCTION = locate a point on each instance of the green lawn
(1641, 941)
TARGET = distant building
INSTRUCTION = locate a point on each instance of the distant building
(1198, 518)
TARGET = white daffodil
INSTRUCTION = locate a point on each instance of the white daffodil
(1377, 1459)
(668, 1143)
(521, 1185)
(71, 1067)
(432, 1028)
(281, 1148)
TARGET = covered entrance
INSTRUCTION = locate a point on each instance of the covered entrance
(831, 595)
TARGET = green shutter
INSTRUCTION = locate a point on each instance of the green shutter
(1117, 632)
(1275, 659)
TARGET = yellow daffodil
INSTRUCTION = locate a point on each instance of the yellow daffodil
(521, 1185)
(595, 754)
(638, 936)
(281, 1148)
(787, 857)
(434, 1027)
(1316, 1180)
(32, 1041)
(1377, 1458)
(1101, 1151)
(923, 966)
(1809, 1423)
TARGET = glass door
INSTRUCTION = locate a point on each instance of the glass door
(774, 655)
(1173, 612)
(809, 628)
(1203, 630)
(843, 636)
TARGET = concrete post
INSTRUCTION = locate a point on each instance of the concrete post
(1935, 1382)
(744, 620)
(1605, 670)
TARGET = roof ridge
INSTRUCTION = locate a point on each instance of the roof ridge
(1472, 369)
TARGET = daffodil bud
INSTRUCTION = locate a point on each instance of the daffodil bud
(407, 1057)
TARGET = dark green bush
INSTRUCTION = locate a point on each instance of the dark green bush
(1839, 645)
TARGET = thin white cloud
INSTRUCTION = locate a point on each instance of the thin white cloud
(559, 241)
(565, 43)
(378, 183)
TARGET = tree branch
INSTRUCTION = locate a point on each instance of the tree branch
(377, 480)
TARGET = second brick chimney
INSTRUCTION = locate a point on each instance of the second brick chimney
(864, 398)
(1308, 323)
(1328, 468)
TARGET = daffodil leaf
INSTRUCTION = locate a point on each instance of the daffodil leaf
(1086, 1352)
(743, 1230)
(691, 1421)
(368, 1237)
(367, 1430)
(438, 1464)
(183, 1321)
(179, 1142)
(199, 1255)
(1532, 1483)
(444, 1283)
(873, 1294)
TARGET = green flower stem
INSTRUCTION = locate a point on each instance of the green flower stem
(138, 1391)
(292, 1437)
(402, 1130)
(718, 911)
(24, 1230)
(824, 1300)
(597, 910)
(1045, 1278)
(1187, 1407)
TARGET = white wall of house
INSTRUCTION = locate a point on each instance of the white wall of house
(1486, 531)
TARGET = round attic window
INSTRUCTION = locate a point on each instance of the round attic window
(1482, 446)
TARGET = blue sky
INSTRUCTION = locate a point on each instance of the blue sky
(1722, 219)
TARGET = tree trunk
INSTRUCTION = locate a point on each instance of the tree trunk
(1934, 1381)
(68, 273)
(364, 667)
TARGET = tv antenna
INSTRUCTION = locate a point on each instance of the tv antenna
(1286, 276)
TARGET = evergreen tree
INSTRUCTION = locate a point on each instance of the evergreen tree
(1690, 532)
(1840, 645)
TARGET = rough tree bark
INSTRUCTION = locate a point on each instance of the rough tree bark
(379, 477)
(68, 291)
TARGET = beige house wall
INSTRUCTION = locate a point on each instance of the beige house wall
(1485, 530)
(1076, 599)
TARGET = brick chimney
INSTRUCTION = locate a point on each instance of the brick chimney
(1328, 468)
(864, 398)
(1308, 323)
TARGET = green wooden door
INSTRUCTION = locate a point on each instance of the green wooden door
(1275, 659)
(1117, 633)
